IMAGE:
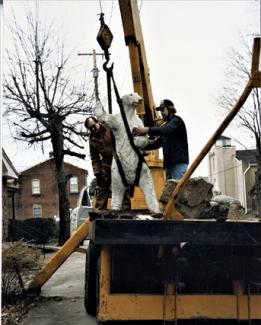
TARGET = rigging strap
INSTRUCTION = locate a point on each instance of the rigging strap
(116, 157)
(129, 134)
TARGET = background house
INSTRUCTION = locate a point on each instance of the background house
(38, 193)
(9, 188)
(232, 172)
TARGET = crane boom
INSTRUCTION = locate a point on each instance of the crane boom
(141, 84)
(139, 67)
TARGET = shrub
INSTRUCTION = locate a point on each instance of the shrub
(17, 258)
(36, 230)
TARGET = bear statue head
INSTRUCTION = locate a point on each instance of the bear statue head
(131, 101)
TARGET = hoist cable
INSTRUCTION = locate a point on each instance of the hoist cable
(140, 5)
(112, 3)
(100, 6)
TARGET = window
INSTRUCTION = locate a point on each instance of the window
(224, 142)
(74, 184)
(37, 211)
(36, 186)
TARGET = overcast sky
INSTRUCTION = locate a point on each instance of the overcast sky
(186, 44)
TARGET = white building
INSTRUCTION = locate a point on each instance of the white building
(232, 172)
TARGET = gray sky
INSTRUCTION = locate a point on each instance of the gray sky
(186, 45)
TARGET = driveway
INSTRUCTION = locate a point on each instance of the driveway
(62, 297)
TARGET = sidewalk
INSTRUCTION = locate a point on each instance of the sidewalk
(64, 293)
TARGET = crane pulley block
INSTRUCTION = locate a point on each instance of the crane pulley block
(104, 36)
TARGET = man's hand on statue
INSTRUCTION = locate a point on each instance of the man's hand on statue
(140, 131)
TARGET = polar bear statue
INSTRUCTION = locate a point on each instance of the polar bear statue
(126, 154)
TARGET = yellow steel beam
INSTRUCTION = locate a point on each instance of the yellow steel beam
(153, 307)
(257, 80)
(139, 66)
(136, 75)
(104, 279)
(256, 63)
(60, 256)
(255, 66)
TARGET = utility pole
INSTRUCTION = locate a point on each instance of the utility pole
(95, 72)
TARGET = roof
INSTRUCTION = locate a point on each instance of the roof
(8, 170)
(247, 156)
(222, 137)
(49, 159)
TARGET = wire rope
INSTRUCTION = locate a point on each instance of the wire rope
(100, 6)
(140, 5)
(112, 3)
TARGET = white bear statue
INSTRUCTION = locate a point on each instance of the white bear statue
(127, 155)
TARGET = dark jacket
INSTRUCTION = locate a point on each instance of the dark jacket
(172, 139)
(101, 150)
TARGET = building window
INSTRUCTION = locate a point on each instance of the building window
(223, 142)
(37, 211)
(213, 165)
(36, 187)
(74, 184)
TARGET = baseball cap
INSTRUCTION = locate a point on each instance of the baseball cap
(164, 103)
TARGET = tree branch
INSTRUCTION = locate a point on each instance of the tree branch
(74, 143)
(75, 154)
(31, 135)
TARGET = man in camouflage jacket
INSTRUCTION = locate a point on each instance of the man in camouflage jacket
(101, 148)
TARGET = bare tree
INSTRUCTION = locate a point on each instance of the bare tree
(42, 103)
(249, 117)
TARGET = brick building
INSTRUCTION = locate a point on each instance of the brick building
(37, 196)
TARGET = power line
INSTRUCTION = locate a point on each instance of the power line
(224, 170)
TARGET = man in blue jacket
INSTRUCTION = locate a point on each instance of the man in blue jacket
(172, 137)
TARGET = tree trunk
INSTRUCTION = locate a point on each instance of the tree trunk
(258, 176)
(258, 191)
(64, 205)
